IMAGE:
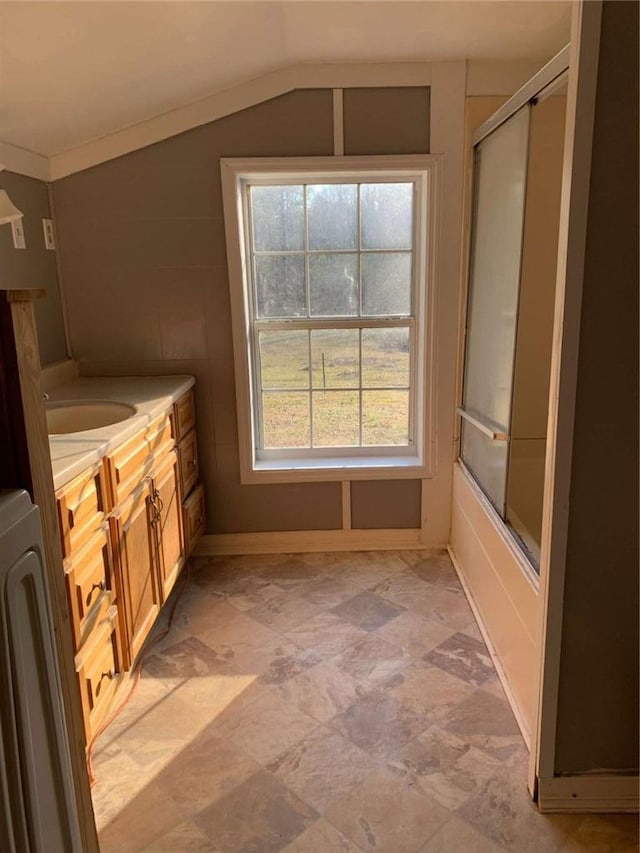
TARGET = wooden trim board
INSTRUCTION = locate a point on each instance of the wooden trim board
(581, 96)
(589, 793)
(28, 360)
(504, 681)
(501, 590)
(312, 541)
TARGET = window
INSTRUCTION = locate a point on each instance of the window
(328, 270)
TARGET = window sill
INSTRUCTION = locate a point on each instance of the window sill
(331, 469)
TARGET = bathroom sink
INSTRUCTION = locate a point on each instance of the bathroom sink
(78, 416)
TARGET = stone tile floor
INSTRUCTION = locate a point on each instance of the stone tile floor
(320, 703)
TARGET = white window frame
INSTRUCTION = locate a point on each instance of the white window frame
(415, 461)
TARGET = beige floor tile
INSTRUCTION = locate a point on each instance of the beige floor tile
(220, 696)
(196, 610)
(456, 836)
(464, 657)
(285, 612)
(436, 568)
(271, 660)
(261, 814)
(444, 766)
(184, 836)
(448, 608)
(413, 633)
(116, 782)
(502, 810)
(604, 834)
(326, 634)
(140, 821)
(405, 588)
(329, 591)
(235, 636)
(266, 728)
(371, 660)
(386, 816)
(322, 692)
(367, 568)
(253, 592)
(368, 610)
(167, 719)
(321, 837)
(487, 722)
(379, 724)
(322, 767)
(298, 570)
(257, 672)
(206, 770)
(427, 690)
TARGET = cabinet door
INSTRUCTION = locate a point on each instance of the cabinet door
(168, 522)
(138, 591)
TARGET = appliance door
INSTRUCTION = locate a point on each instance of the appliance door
(37, 804)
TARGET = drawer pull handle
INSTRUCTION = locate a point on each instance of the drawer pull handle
(102, 586)
(70, 519)
(109, 674)
(192, 463)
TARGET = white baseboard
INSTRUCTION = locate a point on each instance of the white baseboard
(515, 707)
(309, 541)
(589, 793)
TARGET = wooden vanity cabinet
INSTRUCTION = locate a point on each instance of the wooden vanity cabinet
(99, 668)
(128, 525)
(137, 585)
(167, 523)
(89, 575)
(81, 508)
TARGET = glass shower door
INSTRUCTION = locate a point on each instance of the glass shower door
(500, 172)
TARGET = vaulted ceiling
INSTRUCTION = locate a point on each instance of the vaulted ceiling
(71, 72)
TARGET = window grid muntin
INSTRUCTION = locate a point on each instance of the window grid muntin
(310, 389)
(362, 321)
(306, 252)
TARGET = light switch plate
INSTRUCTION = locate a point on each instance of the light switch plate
(49, 239)
(17, 229)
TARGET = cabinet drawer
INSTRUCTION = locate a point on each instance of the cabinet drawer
(89, 585)
(188, 462)
(98, 668)
(81, 506)
(194, 518)
(132, 462)
(185, 410)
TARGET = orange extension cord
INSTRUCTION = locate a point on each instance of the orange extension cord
(136, 676)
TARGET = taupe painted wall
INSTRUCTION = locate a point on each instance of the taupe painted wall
(33, 266)
(144, 266)
(598, 710)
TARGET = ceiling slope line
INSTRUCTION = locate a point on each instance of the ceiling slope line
(228, 101)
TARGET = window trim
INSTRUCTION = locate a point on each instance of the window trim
(416, 461)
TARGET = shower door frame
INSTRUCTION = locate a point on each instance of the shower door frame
(580, 57)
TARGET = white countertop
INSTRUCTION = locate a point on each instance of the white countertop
(149, 395)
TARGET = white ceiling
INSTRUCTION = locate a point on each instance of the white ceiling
(71, 72)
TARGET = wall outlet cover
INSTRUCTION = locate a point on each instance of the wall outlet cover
(17, 229)
(49, 238)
